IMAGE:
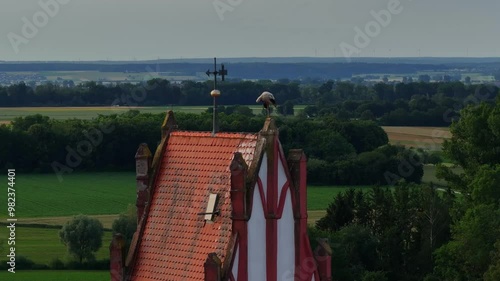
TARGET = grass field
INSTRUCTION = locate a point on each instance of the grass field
(8, 114)
(55, 275)
(42, 195)
(319, 197)
(84, 76)
(430, 175)
(42, 199)
(42, 245)
(430, 138)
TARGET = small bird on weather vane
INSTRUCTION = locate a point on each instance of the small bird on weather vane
(266, 98)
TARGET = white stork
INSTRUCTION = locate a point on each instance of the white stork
(266, 98)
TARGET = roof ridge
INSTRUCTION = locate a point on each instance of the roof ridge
(219, 135)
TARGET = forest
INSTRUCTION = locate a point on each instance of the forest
(398, 230)
(339, 151)
(392, 104)
(420, 232)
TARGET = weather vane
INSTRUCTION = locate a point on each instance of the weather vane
(216, 93)
(222, 72)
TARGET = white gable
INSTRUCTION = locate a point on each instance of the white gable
(286, 240)
(257, 240)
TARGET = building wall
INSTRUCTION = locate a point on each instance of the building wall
(257, 238)
(286, 241)
(281, 229)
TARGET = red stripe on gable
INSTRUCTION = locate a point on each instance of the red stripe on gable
(281, 205)
(263, 197)
(284, 162)
(272, 249)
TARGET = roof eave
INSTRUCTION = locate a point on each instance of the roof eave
(169, 125)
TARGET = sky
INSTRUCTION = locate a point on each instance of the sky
(72, 30)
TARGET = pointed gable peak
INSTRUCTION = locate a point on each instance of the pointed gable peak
(143, 151)
(238, 163)
(169, 124)
(269, 126)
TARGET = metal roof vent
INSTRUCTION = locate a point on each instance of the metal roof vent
(210, 211)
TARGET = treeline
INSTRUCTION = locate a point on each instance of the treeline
(395, 104)
(243, 70)
(401, 104)
(389, 234)
(155, 92)
(418, 232)
(340, 152)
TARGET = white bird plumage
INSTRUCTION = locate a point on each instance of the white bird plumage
(266, 98)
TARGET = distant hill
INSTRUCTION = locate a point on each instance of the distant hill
(271, 68)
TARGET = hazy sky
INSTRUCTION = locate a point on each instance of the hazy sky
(148, 29)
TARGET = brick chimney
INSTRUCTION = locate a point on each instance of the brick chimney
(297, 163)
(142, 167)
(116, 257)
(239, 191)
(298, 172)
(212, 268)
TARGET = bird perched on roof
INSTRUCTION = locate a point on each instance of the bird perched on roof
(266, 98)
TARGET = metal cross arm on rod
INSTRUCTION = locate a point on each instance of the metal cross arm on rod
(221, 72)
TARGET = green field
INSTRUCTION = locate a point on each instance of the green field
(85, 76)
(53, 275)
(107, 194)
(9, 113)
(42, 195)
(42, 245)
(319, 197)
(430, 175)
(42, 199)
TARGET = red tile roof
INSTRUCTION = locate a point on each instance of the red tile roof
(176, 241)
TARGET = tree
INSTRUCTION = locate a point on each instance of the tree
(126, 225)
(339, 213)
(82, 236)
(474, 146)
(475, 141)
(493, 273)
(367, 115)
(327, 145)
(286, 108)
(468, 255)
(424, 78)
(374, 276)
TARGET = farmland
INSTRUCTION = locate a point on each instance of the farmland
(43, 200)
(52, 275)
(42, 245)
(42, 195)
(430, 138)
(8, 114)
